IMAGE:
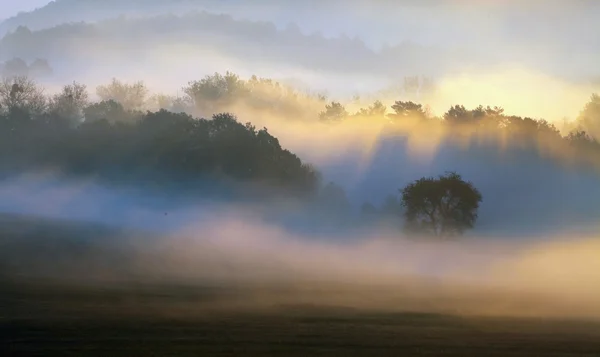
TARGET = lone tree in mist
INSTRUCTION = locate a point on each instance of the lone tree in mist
(445, 206)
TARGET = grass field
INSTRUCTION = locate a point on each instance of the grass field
(124, 324)
(41, 317)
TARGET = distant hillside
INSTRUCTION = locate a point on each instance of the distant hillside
(59, 12)
(251, 40)
(541, 35)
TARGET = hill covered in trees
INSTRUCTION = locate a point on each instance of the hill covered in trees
(80, 43)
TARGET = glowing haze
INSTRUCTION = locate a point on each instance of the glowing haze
(536, 240)
(533, 58)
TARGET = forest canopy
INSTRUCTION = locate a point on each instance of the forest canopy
(134, 137)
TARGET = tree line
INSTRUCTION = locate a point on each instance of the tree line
(117, 139)
(19, 67)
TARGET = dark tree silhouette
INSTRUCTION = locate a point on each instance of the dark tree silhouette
(109, 141)
(18, 67)
(40, 68)
(333, 112)
(20, 94)
(70, 103)
(333, 198)
(443, 207)
(377, 110)
(582, 140)
(130, 96)
(403, 110)
(109, 110)
(589, 118)
(15, 67)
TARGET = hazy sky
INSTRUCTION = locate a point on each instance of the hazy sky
(9, 8)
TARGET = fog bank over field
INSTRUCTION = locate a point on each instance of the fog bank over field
(235, 181)
(259, 265)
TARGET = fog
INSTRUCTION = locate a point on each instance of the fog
(515, 88)
(234, 246)
(532, 252)
(555, 23)
(483, 56)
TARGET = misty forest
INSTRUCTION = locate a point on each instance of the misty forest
(199, 141)
(190, 160)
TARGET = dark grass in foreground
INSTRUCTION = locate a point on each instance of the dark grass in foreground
(38, 322)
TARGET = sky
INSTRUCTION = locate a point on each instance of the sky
(10, 8)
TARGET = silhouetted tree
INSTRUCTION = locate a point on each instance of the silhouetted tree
(334, 111)
(15, 67)
(70, 103)
(23, 95)
(157, 102)
(333, 200)
(377, 110)
(109, 110)
(589, 118)
(40, 68)
(444, 206)
(215, 93)
(130, 96)
(110, 141)
(392, 207)
(580, 139)
(403, 110)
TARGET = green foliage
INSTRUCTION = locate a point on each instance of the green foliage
(444, 206)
